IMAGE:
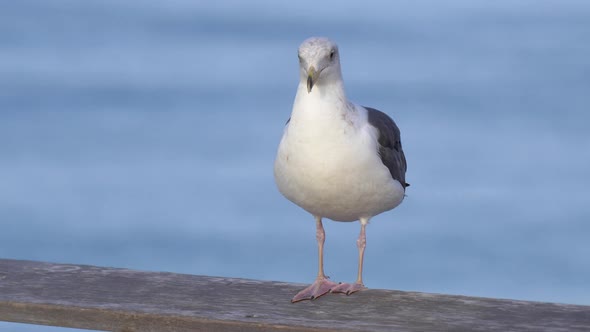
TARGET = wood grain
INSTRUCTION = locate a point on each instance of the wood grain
(113, 299)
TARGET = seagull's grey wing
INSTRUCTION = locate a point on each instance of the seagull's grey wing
(390, 144)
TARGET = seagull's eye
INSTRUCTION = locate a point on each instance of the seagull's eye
(332, 55)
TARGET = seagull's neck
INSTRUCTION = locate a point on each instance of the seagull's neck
(324, 113)
(325, 99)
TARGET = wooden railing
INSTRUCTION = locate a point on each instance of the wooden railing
(110, 299)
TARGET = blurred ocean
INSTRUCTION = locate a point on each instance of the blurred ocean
(142, 134)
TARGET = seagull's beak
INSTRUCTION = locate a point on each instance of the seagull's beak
(312, 77)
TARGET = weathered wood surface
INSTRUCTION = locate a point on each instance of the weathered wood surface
(124, 300)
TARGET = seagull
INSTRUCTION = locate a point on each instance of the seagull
(336, 159)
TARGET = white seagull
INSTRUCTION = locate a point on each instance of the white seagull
(337, 159)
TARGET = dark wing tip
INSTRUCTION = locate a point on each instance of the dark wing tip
(390, 146)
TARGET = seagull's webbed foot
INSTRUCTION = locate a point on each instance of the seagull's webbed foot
(348, 288)
(320, 287)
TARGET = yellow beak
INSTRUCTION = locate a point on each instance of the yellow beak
(311, 78)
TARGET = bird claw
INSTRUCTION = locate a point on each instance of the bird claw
(320, 287)
(348, 288)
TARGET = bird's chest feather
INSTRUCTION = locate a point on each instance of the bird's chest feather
(325, 155)
(328, 164)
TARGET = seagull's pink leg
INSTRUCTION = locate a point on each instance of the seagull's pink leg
(321, 285)
(361, 243)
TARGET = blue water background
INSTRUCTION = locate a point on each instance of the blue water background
(142, 134)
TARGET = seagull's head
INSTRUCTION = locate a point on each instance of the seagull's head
(319, 62)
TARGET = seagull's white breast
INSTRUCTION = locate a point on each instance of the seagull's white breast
(328, 161)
